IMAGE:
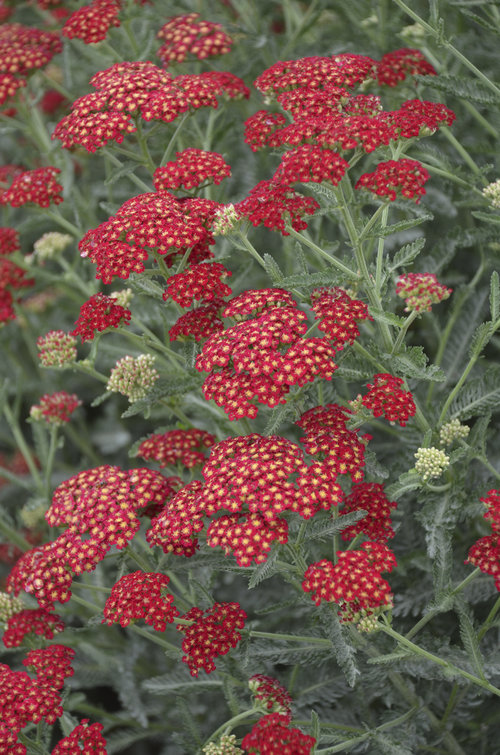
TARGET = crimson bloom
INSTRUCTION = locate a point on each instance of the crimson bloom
(213, 632)
(85, 739)
(405, 177)
(385, 397)
(272, 735)
(99, 313)
(140, 595)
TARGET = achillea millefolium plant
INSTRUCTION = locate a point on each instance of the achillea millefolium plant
(249, 473)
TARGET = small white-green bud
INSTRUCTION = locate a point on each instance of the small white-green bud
(431, 462)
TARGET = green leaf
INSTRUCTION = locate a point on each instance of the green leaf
(494, 296)
(404, 225)
(407, 254)
(480, 338)
(481, 21)
(406, 482)
(487, 217)
(273, 269)
(128, 167)
(411, 362)
(325, 528)
(468, 89)
(265, 570)
(178, 683)
(280, 414)
(326, 278)
(315, 725)
(101, 398)
(344, 651)
(176, 384)
(388, 317)
(147, 286)
(477, 397)
(469, 637)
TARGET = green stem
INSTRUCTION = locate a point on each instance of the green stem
(346, 746)
(54, 429)
(135, 179)
(250, 248)
(82, 366)
(228, 726)
(489, 620)
(401, 335)
(462, 152)
(14, 537)
(21, 444)
(58, 218)
(289, 637)
(324, 255)
(439, 661)
(380, 251)
(170, 146)
(448, 45)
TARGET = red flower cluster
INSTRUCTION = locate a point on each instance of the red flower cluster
(485, 552)
(269, 694)
(249, 477)
(199, 323)
(38, 186)
(37, 621)
(200, 282)
(140, 595)
(185, 35)
(212, 633)
(310, 163)
(99, 313)
(376, 525)
(273, 203)
(247, 361)
(84, 740)
(395, 66)
(404, 177)
(184, 447)
(191, 168)
(22, 50)
(385, 397)
(55, 408)
(24, 700)
(91, 23)
(354, 582)
(342, 450)
(420, 291)
(272, 735)
(158, 221)
(12, 276)
(316, 92)
(100, 508)
(125, 88)
(338, 314)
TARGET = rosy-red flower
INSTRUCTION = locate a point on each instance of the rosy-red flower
(273, 203)
(395, 66)
(272, 735)
(213, 632)
(52, 664)
(185, 36)
(38, 186)
(199, 323)
(55, 408)
(37, 621)
(338, 315)
(402, 177)
(269, 694)
(376, 524)
(141, 595)
(99, 313)
(85, 739)
(191, 168)
(174, 447)
(385, 397)
(91, 22)
(198, 282)
(311, 163)
(420, 291)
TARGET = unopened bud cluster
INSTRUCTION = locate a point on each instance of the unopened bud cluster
(123, 297)
(225, 746)
(225, 220)
(452, 431)
(9, 605)
(56, 349)
(431, 462)
(492, 192)
(133, 376)
(50, 245)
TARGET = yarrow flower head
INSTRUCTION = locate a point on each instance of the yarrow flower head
(38, 186)
(198, 282)
(98, 314)
(174, 447)
(273, 204)
(376, 524)
(50, 245)
(309, 162)
(354, 583)
(338, 314)
(92, 22)
(385, 397)
(133, 376)
(404, 177)
(213, 632)
(492, 192)
(9, 606)
(186, 35)
(224, 220)
(31, 621)
(395, 66)
(191, 168)
(420, 291)
(55, 408)
(269, 695)
(56, 349)
(141, 595)
(199, 323)
(272, 735)
(85, 738)
(452, 431)
(431, 462)
(226, 745)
